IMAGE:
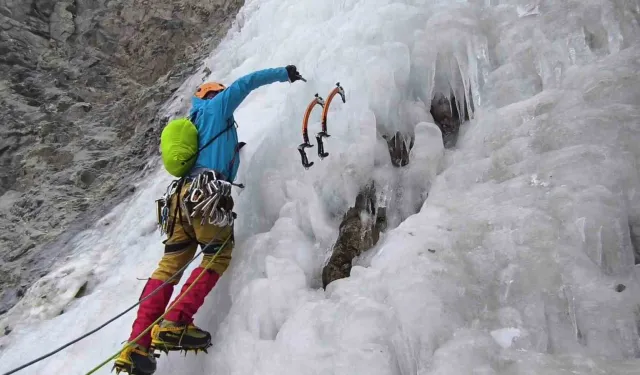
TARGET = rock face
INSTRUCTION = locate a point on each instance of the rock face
(359, 231)
(399, 147)
(81, 82)
(449, 113)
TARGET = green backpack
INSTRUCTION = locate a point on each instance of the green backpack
(179, 146)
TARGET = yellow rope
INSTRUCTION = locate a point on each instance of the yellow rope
(92, 371)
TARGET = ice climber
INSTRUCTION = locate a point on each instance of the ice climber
(212, 111)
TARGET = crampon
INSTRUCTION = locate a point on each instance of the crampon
(135, 361)
(156, 350)
(170, 337)
(128, 369)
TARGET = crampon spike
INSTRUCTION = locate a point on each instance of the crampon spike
(119, 370)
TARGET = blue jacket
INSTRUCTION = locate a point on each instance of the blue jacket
(215, 115)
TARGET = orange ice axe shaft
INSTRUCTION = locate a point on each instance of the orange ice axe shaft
(305, 135)
(325, 111)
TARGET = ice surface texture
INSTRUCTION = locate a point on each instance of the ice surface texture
(510, 265)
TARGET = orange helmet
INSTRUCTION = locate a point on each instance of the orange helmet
(208, 87)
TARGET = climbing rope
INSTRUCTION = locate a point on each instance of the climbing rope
(45, 356)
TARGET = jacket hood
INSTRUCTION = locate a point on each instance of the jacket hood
(197, 104)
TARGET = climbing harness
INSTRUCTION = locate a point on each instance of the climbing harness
(207, 195)
(318, 100)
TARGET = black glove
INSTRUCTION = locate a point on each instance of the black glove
(293, 73)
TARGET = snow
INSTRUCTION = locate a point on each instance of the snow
(502, 255)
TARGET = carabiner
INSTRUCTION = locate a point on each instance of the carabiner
(171, 189)
(196, 195)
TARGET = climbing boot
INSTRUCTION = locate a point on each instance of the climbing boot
(135, 360)
(172, 336)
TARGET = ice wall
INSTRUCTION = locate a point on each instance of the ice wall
(512, 253)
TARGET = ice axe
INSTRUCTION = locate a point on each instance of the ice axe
(317, 100)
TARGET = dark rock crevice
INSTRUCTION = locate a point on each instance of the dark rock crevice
(449, 113)
(359, 231)
(399, 146)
